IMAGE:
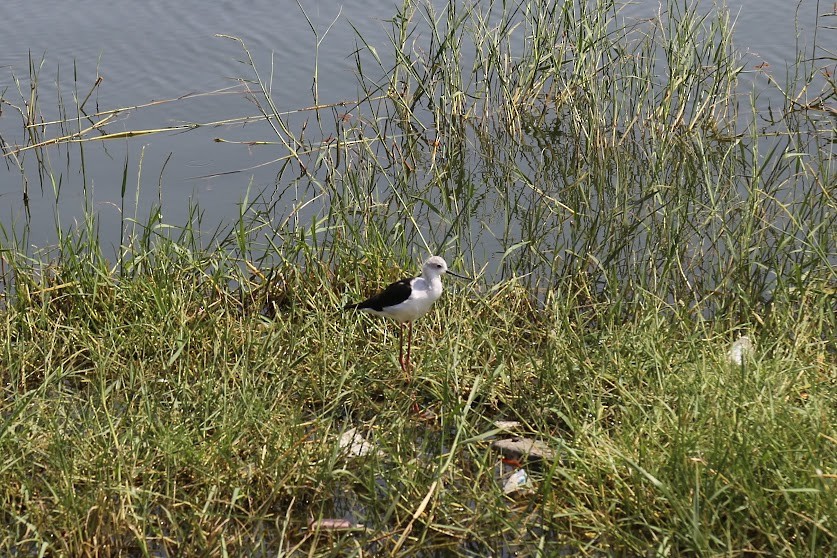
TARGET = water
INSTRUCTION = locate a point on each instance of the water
(156, 50)
(161, 50)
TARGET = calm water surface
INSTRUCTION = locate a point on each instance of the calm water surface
(156, 50)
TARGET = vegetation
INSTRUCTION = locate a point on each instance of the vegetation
(627, 214)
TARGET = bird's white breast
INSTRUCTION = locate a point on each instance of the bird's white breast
(422, 297)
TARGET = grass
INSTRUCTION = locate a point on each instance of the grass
(626, 218)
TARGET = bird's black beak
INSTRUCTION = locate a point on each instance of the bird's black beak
(458, 276)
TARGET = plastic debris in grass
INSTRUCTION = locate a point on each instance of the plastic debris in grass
(356, 445)
(508, 425)
(516, 482)
(334, 524)
(520, 448)
(741, 350)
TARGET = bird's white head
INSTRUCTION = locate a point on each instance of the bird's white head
(435, 266)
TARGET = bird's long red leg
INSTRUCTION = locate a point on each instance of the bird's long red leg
(415, 406)
(401, 347)
(409, 345)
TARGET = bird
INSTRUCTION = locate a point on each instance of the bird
(407, 300)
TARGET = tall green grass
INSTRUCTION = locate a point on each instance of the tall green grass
(627, 216)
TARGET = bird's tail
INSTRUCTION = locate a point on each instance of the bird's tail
(353, 306)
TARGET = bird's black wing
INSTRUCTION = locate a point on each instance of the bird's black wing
(394, 294)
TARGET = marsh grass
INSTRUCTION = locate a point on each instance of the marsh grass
(625, 220)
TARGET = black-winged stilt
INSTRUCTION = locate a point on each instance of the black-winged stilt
(407, 300)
